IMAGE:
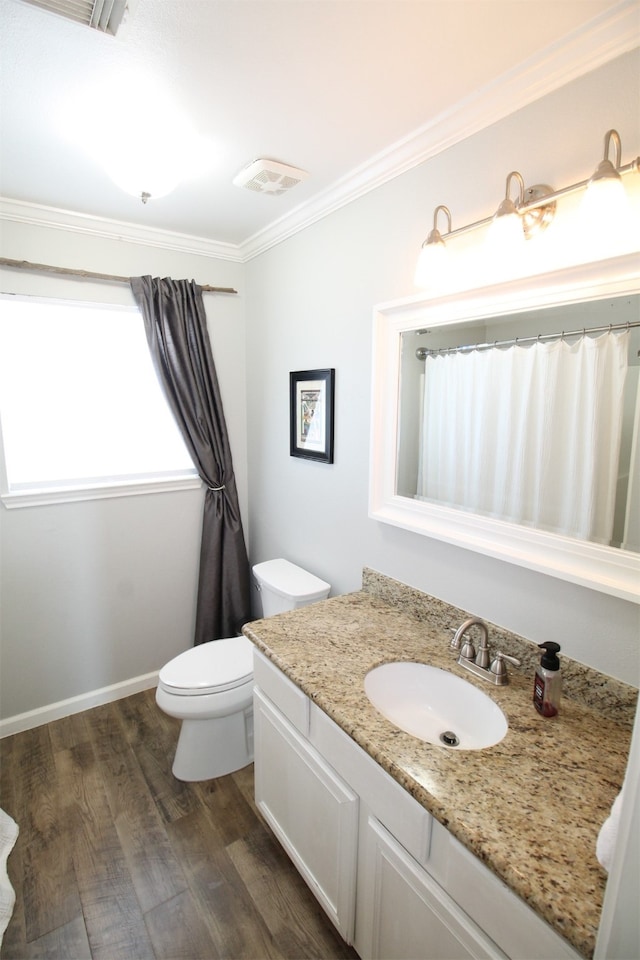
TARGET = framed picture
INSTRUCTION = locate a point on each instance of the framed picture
(311, 394)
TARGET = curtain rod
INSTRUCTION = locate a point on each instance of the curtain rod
(423, 352)
(90, 275)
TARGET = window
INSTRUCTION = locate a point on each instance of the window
(81, 412)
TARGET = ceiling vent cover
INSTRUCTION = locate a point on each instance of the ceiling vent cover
(269, 176)
(103, 15)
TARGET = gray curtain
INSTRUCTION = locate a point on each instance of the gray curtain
(176, 329)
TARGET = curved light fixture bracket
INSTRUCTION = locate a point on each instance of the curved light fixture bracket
(507, 208)
(434, 235)
(606, 170)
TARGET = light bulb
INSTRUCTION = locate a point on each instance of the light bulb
(605, 210)
(505, 236)
(433, 263)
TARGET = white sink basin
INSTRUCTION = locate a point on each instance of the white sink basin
(435, 706)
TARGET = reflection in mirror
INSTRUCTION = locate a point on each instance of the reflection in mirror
(560, 529)
(517, 419)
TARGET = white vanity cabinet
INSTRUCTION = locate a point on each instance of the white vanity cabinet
(394, 882)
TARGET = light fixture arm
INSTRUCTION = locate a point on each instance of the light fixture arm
(508, 208)
(608, 137)
(514, 175)
(606, 170)
(447, 213)
(434, 234)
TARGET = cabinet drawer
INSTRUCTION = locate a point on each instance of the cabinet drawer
(288, 698)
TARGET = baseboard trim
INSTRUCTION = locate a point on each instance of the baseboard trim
(66, 708)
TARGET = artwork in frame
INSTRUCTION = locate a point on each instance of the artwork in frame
(311, 395)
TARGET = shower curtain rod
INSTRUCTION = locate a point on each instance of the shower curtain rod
(423, 352)
(90, 275)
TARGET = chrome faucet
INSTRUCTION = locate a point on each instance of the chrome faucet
(480, 663)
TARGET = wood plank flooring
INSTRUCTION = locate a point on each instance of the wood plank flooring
(118, 860)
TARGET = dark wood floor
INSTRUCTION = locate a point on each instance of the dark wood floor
(118, 859)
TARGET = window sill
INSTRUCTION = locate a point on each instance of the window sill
(44, 496)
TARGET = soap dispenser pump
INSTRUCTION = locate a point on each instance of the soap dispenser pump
(547, 684)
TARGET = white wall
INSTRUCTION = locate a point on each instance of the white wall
(309, 305)
(99, 592)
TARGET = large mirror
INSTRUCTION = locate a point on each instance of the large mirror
(497, 429)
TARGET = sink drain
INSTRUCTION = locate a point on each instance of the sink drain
(450, 739)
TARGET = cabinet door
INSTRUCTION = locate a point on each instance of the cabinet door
(403, 914)
(310, 809)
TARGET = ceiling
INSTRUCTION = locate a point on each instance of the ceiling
(352, 91)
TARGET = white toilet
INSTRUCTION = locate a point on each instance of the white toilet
(210, 687)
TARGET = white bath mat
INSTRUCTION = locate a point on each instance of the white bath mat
(8, 836)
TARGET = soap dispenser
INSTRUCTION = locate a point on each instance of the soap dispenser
(547, 684)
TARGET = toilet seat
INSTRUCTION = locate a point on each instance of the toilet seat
(209, 668)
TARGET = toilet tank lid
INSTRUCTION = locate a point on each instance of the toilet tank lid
(289, 580)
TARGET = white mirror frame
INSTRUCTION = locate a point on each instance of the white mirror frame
(608, 569)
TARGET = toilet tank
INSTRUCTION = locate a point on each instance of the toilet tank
(285, 586)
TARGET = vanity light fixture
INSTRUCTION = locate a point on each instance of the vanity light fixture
(534, 209)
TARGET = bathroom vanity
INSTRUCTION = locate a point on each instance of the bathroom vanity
(421, 851)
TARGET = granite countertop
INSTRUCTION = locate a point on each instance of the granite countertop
(530, 807)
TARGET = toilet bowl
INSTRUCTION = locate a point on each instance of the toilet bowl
(210, 687)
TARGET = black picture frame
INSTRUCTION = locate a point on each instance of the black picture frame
(311, 414)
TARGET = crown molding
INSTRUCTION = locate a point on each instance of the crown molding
(35, 214)
(606, 37)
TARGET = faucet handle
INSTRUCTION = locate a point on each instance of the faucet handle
(499, 667)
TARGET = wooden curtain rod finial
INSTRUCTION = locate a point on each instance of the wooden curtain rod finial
(90, 274)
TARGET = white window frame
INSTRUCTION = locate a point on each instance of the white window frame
(46, 493)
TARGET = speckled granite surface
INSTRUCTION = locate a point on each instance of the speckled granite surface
(529, 807)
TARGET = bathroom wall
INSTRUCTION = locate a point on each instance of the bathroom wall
(309, 305)
(93, 594)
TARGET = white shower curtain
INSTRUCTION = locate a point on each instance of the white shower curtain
(529, 434)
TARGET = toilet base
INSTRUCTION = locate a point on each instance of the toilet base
(215, 747)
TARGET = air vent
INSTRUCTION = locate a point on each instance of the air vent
(269, 176)
(103, 15)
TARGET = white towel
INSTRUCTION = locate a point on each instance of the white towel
(8, 836)
(608, 835)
